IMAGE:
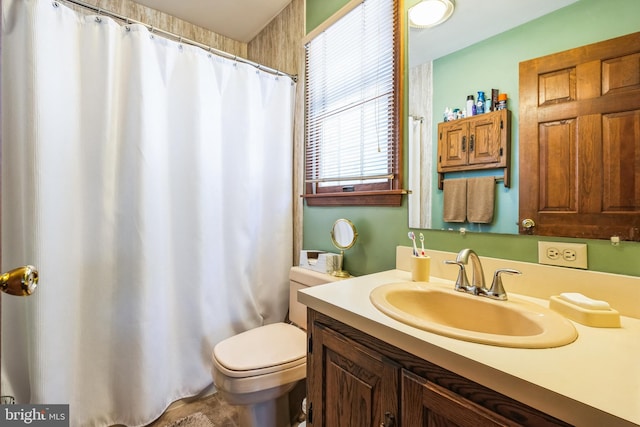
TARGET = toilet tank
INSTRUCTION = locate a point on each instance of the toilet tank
(301, 278)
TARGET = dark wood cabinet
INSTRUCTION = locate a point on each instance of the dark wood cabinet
(430, 405)
(474, 143)
(359, 387)
(354, 379)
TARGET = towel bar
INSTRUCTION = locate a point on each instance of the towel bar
(504, 178)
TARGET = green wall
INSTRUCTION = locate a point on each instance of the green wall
(319, 10)
(381, 229)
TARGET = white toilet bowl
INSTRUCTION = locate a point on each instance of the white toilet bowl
(257, 369)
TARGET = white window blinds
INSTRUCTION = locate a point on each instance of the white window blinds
(351, 131)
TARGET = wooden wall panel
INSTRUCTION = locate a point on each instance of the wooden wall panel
(169, 23)
(279, 46)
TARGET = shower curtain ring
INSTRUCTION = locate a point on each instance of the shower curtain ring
(55, 4)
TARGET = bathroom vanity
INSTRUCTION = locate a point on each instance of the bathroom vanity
(367, 382)
(367, 369)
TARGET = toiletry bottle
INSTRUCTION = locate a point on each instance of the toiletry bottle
(480, 103)
(494, 99)
(470, 105)
(502, 101)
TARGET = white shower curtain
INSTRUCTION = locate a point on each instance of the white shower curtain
(151, 185)
(415, 173)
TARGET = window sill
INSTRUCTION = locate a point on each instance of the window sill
(357, 198)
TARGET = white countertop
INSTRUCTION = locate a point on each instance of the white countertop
(594, 381)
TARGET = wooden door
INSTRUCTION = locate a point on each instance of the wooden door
(425, 404)
(580, 141)
(349, 384)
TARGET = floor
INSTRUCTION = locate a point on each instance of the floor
(220, 413)
(214, 407)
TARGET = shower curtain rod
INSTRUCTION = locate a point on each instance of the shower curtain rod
(180, 39)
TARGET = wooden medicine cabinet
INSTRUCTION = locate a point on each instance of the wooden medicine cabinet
(475, 143)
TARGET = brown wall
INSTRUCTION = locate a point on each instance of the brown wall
(168, 23)
(278, 43)
(279, 46)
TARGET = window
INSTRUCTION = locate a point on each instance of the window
(352, 109)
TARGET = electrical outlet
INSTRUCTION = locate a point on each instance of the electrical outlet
(563, 254)
(553, 253)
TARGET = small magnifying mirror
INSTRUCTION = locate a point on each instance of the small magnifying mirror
(343, 237)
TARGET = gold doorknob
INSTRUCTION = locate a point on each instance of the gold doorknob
(20, 281)
(528, 223)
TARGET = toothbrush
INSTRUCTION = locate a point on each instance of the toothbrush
(412, 236)
(422, 243)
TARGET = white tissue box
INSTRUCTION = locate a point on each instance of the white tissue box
(320, 261)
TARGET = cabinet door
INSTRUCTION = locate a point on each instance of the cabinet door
(428, 405)
(486, 137)
(348, 384)
(453, 144)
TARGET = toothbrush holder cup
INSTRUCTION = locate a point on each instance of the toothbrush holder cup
(420, 268)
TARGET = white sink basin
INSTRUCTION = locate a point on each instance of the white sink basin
(444, 311)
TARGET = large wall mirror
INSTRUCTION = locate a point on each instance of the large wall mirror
(479, 49)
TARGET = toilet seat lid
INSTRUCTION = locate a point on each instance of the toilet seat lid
(261, 350)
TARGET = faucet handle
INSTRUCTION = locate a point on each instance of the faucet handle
(497, 290)
(462, 283)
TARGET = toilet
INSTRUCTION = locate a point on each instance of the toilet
(257, 369)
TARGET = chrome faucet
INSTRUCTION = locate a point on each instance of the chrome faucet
(477, 285)
(477, 276)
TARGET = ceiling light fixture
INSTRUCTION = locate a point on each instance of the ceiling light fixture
(429, 13)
